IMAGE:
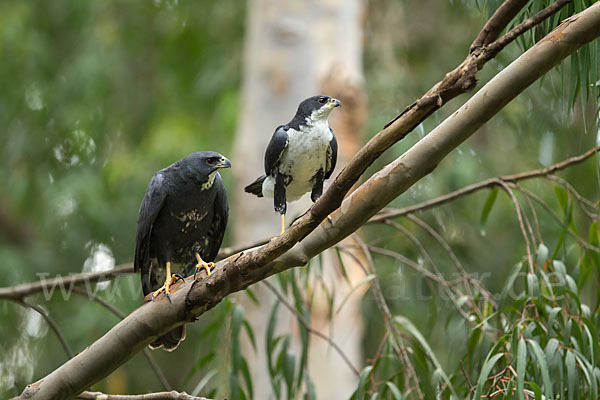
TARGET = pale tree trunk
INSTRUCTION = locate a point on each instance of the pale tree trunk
(295, 49)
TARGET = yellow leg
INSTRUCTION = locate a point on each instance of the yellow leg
(201, 264)
(169, 280)
(282, 224)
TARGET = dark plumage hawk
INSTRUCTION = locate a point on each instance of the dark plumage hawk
(180, 225)
(300, 156)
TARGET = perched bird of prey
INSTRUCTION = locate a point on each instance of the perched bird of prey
(181, 223)
(300, 156)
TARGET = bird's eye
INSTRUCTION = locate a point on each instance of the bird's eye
(322, 100)
(212, 160)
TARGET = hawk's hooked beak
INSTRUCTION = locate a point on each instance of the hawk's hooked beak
(223, 163)
(334, 102)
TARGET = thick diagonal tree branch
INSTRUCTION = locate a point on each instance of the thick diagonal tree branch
(239, 271)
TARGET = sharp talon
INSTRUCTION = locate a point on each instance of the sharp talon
(178, 277)
(169, 297)
(329, 219)
(202, 264)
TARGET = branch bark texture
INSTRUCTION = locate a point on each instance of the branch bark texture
(239, 271)
(172, 395)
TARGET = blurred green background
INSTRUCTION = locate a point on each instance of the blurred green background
(97, 96)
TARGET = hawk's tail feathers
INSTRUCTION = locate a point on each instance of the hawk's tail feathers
(171, 340)
(256, 186)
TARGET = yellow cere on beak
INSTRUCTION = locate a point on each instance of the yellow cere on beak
(334, 102)
(224, 163)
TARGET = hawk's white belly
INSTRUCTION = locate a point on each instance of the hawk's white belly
(305, 155)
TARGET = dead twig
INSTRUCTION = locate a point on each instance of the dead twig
(53, 325)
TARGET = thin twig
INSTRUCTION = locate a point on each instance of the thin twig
(484, 184)
(67, 282)
(53, 325)
(461, 269)
(462, 367)
(172, 395)
(578, 239)
(497, 22)
(310, 329)
(151, 361)
(388, 318)
(449, 291)
(495, 47)
(98, 300)
(405, 260)
(229, 251)
(513, 198)
(582, 200)
(529, 227)
(535, 218)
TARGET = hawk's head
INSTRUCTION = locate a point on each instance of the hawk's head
(317, 107)
(205, 165)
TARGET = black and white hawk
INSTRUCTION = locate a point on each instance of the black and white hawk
(300, 156)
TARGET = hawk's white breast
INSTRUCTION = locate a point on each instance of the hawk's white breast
(306, 154)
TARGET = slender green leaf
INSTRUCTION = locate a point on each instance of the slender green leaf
(203, 382)
(289, 368)
(311, 393)
(485, 371)
(271, 343)
(250, 293)
(543, 365)
(369, 278)
(247, 378)
(537, 391)
(521, 364)
(397, 395)
(248, 328)
(542, 255)
(363, 381)
(571, 374)
(533, 285)
(236, 352)
(410, 328)
(588, 371)
(487, 207)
